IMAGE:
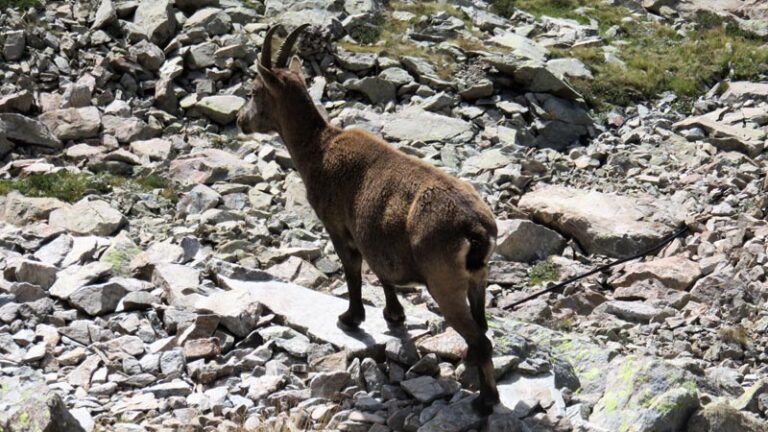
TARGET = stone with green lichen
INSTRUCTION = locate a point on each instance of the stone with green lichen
(27, 404)
(645, 394)
(120, 253)
(588, 358)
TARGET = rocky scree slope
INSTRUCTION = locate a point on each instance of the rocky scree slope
(163, 272)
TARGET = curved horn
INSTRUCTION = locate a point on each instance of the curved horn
(285, 49)
(266, 48)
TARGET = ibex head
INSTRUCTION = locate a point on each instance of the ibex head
(281, 82)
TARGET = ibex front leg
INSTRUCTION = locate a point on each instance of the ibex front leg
(351, 261)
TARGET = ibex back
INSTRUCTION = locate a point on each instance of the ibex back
(410, 221)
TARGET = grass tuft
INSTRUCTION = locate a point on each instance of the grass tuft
(734, 334)
(543, 271)
(19, 4)
(71, 187)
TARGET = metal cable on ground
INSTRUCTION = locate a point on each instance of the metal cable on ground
(666, 241)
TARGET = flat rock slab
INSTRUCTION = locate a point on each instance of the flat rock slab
(609, 224)
(317, 312)
(415, 124)
(727, 137)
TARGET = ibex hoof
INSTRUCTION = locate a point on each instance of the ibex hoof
(483, 406)
(349, 322)
(394, 319)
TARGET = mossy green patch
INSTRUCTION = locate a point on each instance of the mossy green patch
(19, 4)
(23, 418)
(70, 187)
(543, 271)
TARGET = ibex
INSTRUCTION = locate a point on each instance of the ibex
(410, 221)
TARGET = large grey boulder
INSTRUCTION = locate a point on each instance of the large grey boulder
(522, 46)
(198, 200)
(21, 210)
(149, 55)
(728, 137)
(24, 130)
(214, 20)
(377, 90)
(721, 417)
(128, 129)
(561, 122)
(88, 218)
(14, 45)
(106, 14)
(211, 165)
(21, 101)
(98, 299)
(533, 76)
(675, 272)
(238, 310)
(73, 123)
(28, 404)
(155, 18)
(415, 124)
(524, 241)
(220, 108)
(75, 277)
(608, 224)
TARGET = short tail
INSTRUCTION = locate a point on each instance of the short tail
(481, 247)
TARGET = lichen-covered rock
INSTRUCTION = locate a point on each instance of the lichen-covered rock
(645, 395)
(27, 404)
(589, 359)
(121, 251)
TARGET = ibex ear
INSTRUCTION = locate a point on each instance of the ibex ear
(271, 81)
(295, 66)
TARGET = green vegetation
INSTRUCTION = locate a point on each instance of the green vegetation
(652, 57)
(19, 4)
(70, 187)
(734, 334)
(543, 271)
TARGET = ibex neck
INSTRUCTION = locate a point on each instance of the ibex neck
(303, 129)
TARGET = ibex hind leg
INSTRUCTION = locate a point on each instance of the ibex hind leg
(450, 292)
(393, 310)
